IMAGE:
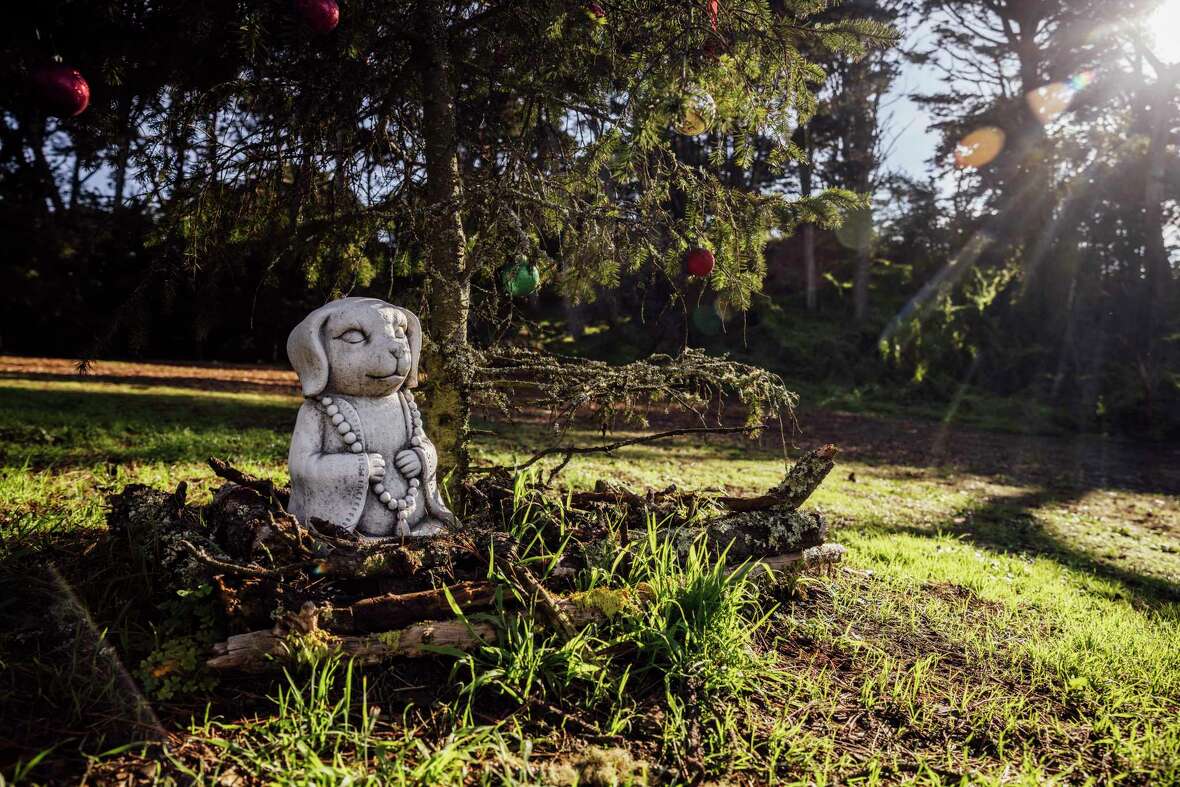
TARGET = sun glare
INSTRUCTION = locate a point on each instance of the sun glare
(1164, 25)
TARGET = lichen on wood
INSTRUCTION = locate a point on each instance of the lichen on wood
(694, 382)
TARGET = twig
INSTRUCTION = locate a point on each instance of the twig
(229, 567)
(606, 448)
(510, 564)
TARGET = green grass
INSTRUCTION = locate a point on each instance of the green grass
(981, 630)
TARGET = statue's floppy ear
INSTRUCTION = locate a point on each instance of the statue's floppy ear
(414, 335)
(305, 350)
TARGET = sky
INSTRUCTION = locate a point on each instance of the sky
(911, 142)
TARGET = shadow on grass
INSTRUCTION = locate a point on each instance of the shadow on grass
(87, 427)
(1012, 524)
(1080, 460)
(71, 606)
(209, 383)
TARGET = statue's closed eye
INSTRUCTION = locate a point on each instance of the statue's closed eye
(353, 336)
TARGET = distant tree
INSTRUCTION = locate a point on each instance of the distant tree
(848, 130)
(1061, 221)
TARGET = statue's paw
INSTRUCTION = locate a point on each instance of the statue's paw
(431, 527)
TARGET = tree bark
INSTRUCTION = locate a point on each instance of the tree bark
(1158, 274)
(808, 230)
(801, 480)
(445, 402)
(860, 284)
(809, 270)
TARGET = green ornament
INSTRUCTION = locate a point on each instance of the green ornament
(707, 320)
(521, 278)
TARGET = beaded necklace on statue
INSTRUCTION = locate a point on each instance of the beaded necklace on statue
(402, 505)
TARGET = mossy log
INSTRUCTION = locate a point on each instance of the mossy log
(801, 480)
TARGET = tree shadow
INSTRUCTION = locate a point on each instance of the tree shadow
(278, 387)
(1081, 461)
(72, 428)
(1012, 524)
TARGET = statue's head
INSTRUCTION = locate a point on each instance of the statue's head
(356, 347)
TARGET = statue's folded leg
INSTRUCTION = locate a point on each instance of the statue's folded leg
(428, 527)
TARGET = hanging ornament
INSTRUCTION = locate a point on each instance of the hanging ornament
(596, 13)
(714, 9)
(62, 90)
(520, 278)
(699, 262)
(321, 16)
(697, 111)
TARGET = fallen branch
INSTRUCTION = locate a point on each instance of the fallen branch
(228, 567)
(394, 610)
(268, 489)
(260, 650)
(802, 479)
(520, 574)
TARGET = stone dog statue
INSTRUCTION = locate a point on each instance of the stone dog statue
(359, 457)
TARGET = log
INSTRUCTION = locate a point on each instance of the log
(749, 535)
(258, 651)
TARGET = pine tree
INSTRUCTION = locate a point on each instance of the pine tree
(455, 138)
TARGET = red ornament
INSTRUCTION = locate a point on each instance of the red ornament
(595, 11)
(321, 16)
(62, 89)
(699, 262)
(714, 7)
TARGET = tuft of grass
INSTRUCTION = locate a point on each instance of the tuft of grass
(695, 629)
(322, 730)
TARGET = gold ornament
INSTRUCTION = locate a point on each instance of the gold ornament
(697, 112)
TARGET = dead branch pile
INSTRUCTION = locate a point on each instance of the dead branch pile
(286, 588)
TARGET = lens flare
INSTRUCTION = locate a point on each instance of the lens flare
(857, 230)
(979, 148)
(1050, 101)
(1079, 81)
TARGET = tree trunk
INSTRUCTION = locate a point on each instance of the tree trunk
(809, 265)
(808, 233)
(75, 181)
(444, 403)
(860, 284)
(1158, 274)
(122, 154)
(48, 179)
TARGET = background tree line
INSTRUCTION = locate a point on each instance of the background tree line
(171, 220)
